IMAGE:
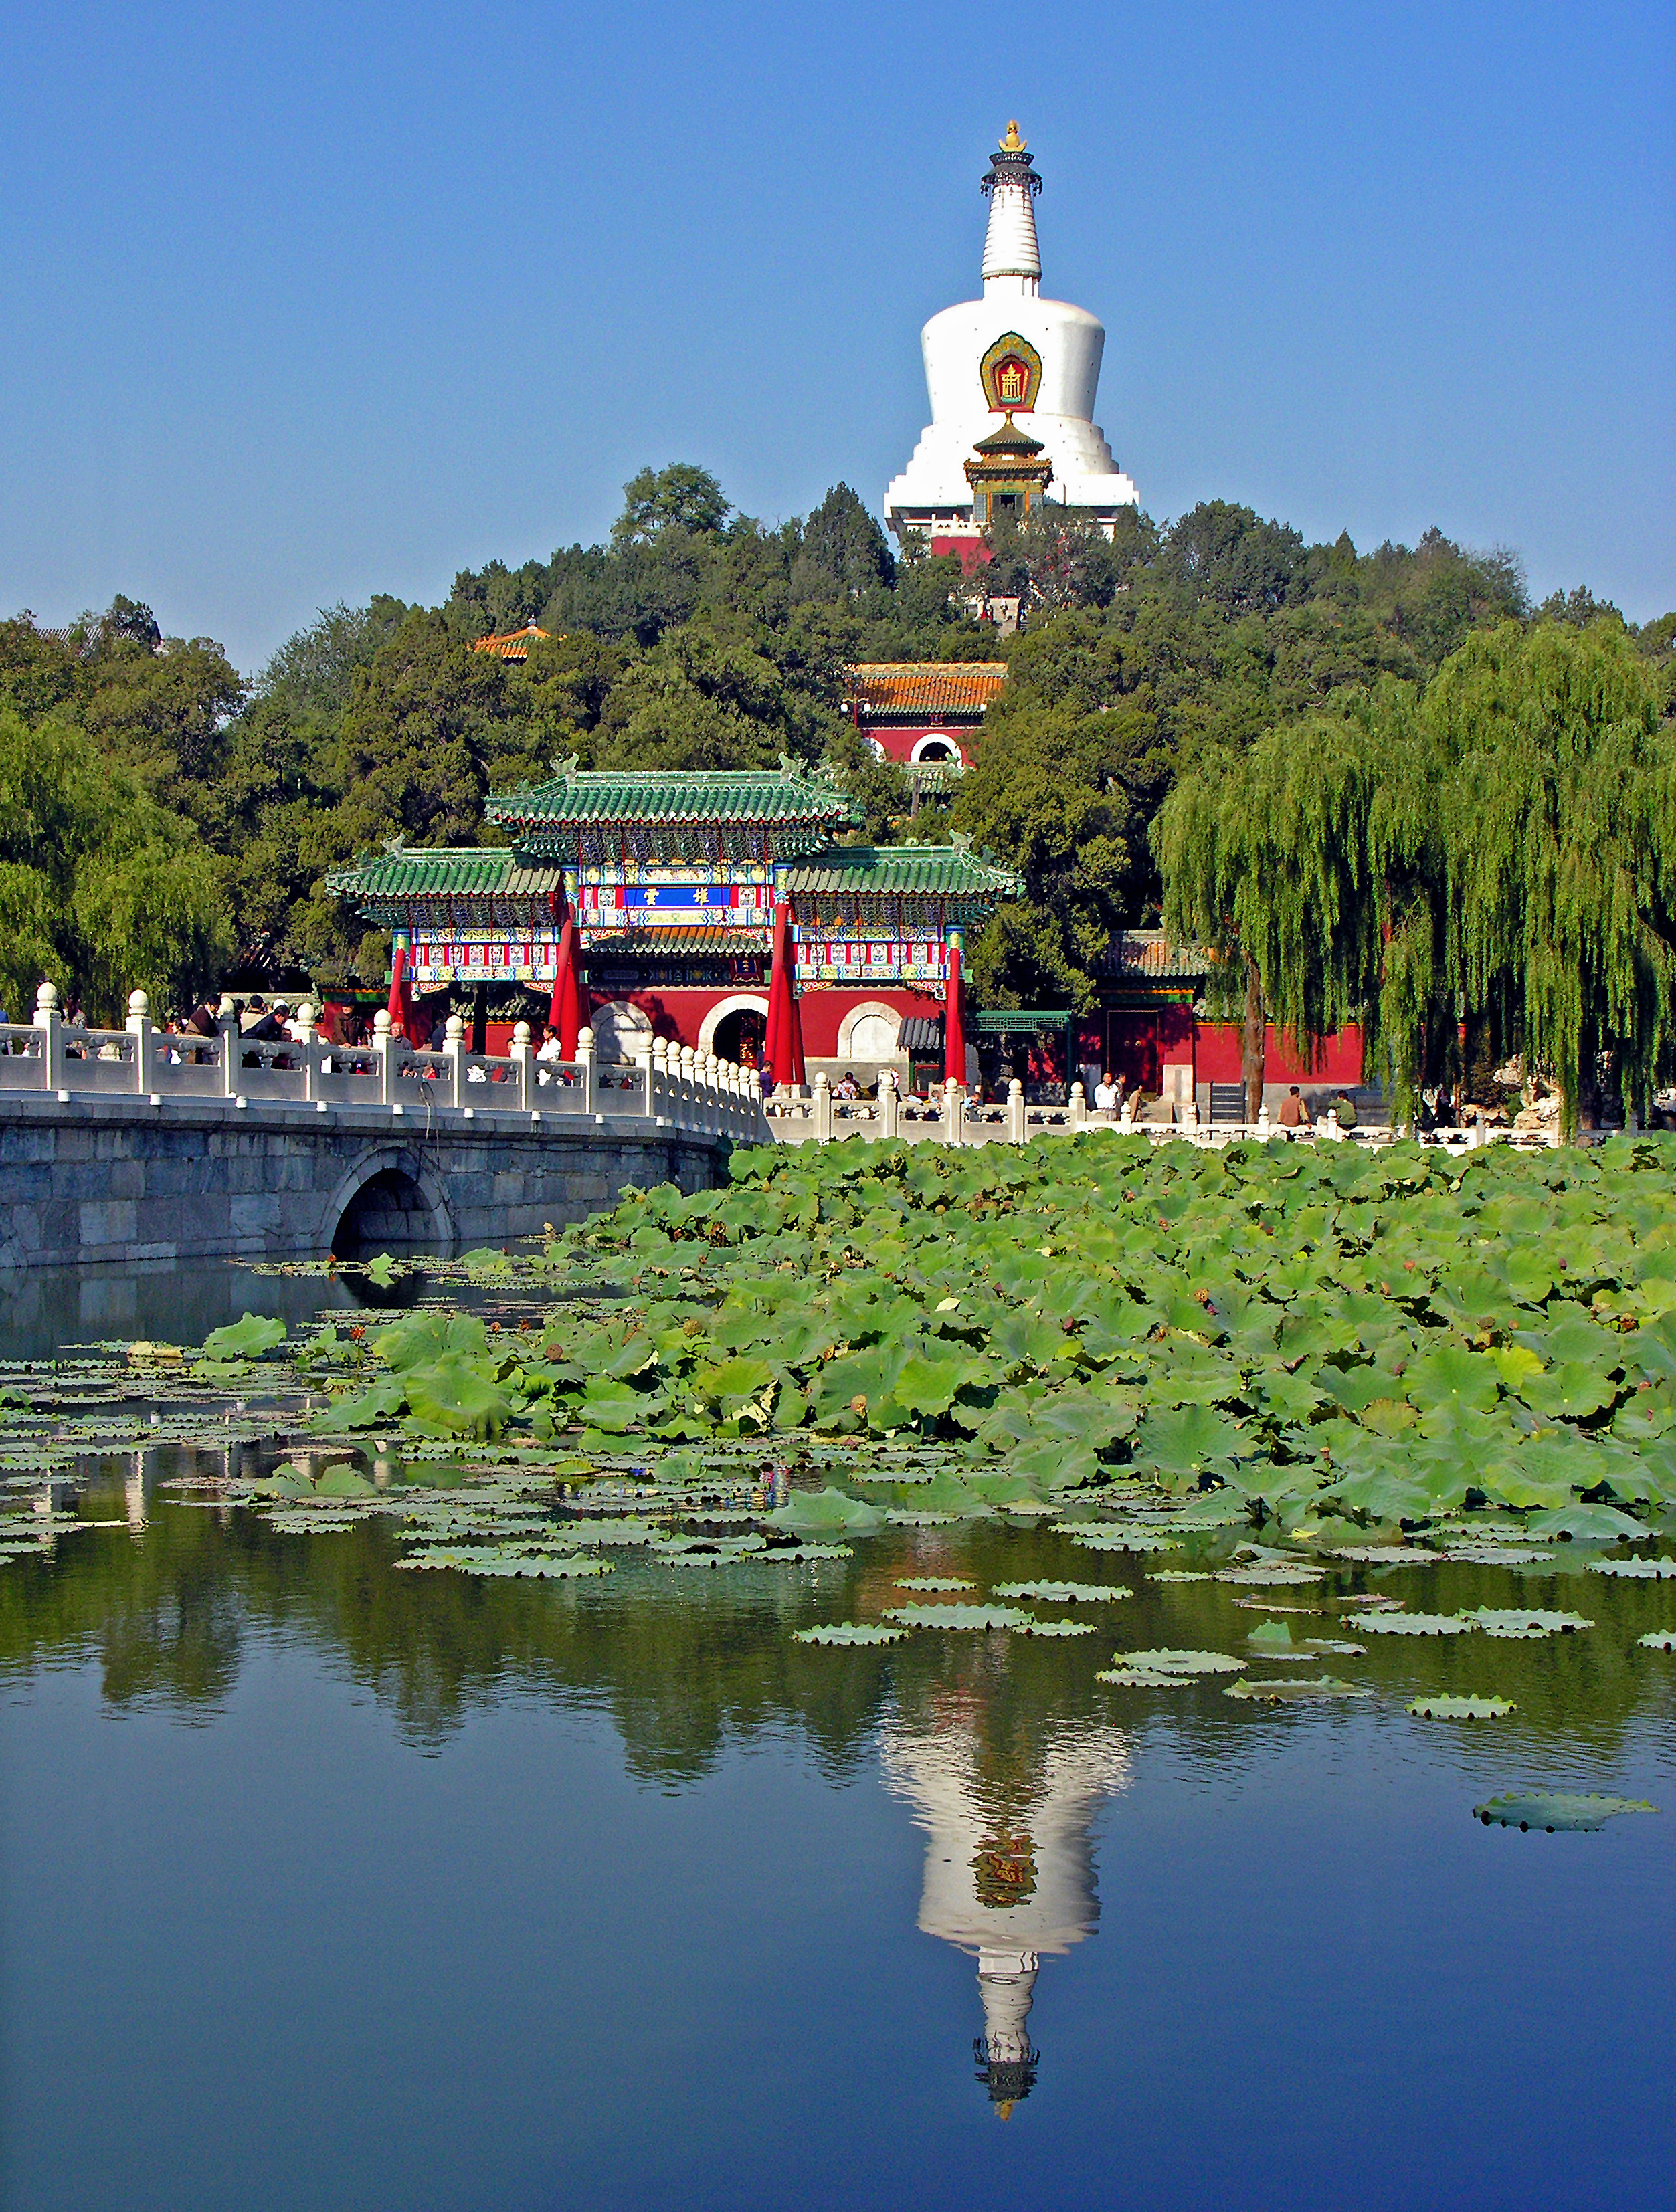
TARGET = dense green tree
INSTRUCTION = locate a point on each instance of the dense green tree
(680, 497)
(102, 890)
(1502, 850)
(842, 552)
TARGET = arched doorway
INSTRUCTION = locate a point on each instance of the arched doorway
(870, 1031)
(731, 1021)
(936, 746)
(620, 1030)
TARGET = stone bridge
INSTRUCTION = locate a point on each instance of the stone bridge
(134, 1144)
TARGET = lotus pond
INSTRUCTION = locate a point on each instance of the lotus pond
(1170, 1652)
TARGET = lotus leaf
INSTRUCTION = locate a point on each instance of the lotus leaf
(942, 1582)
(1386, 1555)
(454, 1396)
(956, 1616)
(1180, 1574)
(1510, 1622)
(1571, 1391)
(247, 1337)
(344, 1482)
(1056, 1593)
(1141, 1678)
(1431, 1707)
(1275, 1574)
(1555, 1809)
(1658, 1640)
(1294, 1689)
(816, 1512)
(1602, 1524)
(1186, 1440)
(1409, 1624)
(1106, 1536)
(1182, 1663)
(850, 1631)
(1031, 1627)
(1636, 1570)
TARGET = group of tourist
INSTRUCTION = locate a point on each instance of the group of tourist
(1293, 1114)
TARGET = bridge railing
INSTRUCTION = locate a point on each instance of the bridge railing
(671, 1087)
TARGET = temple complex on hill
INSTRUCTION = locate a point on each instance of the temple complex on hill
(1012, 379)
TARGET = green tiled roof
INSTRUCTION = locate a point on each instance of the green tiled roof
(580, 799)
(898, 871)
(444, 872)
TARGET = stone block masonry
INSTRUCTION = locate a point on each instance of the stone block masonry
(115, 1179)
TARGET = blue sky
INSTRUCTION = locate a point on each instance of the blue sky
(303, 303)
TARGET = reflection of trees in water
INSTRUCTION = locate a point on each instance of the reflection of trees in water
(684, 1662)
(1006, 1793)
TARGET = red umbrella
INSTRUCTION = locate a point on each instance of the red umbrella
(567, 1012)
(955, 1025)
(782, 1045)
(401, 997)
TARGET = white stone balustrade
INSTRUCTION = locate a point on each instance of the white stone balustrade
(676, 1089)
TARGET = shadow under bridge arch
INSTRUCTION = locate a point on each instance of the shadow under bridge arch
(391, 1201)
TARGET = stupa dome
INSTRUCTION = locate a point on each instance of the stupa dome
(1009, 352)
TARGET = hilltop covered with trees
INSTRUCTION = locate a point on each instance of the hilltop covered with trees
(698, 636)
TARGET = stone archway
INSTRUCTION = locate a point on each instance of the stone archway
(870, 1031)
(390, 1201)
(742, 1002)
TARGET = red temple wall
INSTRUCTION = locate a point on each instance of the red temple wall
(678, 1015)
(972, 552)
(1220, 1048)
(897, 744)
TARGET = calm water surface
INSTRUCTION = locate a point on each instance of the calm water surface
(329, 1885)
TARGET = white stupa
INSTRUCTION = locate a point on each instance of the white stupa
(1011, 353)
(1007, 1882)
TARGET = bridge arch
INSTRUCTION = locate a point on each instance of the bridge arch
(391, 1200)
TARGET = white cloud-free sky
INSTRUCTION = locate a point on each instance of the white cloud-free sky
(305, 302)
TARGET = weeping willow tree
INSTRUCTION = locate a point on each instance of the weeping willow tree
(1306, 865)
(102, 890)
(1504, 849)
(1561, 834)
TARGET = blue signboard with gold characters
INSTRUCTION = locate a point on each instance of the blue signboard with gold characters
(645, 906)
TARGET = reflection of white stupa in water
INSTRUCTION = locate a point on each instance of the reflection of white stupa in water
(1008, 1870)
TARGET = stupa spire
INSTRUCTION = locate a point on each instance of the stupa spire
(1012, 259)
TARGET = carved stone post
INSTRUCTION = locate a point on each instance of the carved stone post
(523, 1063)
(226, 1030)
(139, 1028)
(50, 1021)
(954, 1111)
(823, 1109)
(890, 1104)
(1079, 1106)
(384, 1051)
(587, 1061)
(1017, 1126)
(314, 1050)
(454, 1055)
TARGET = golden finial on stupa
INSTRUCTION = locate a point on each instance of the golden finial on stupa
(1012, 143)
